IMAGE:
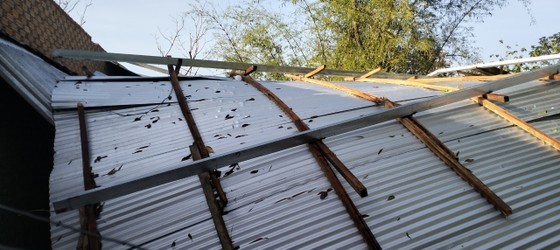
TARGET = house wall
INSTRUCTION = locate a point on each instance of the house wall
(43, 26)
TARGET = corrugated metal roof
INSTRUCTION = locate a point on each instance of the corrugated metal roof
(415, 200)
(33, 78)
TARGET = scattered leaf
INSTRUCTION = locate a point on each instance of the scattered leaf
(254, 171)
(391, 197)
(469, 160)
(245, 125)
(239, 136)
(310, 121)
(173, 244)
(137, 119)
(143, 147)
(217, 91)
(398, 218)
(381, 150)
(457, 154)
(228, 116)
(233, 110)
(148, 126)
(257, 240)
(190, 236)
(98, 159)
(365, 215)
(186, 158)
(250, 99)
(323, 195)
(407, 235)
(114, 170)
(137, 151)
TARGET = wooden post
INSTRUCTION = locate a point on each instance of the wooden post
(199, 151)
(87, 213)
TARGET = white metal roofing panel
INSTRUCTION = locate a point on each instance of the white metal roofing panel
(533, 100)
(274, 203)
(393, 92)
(415, 200)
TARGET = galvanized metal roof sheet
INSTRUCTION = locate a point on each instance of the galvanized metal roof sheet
(415, 200)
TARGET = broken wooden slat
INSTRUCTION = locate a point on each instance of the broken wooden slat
(373, 72)
(215, 209)
(341, 168)
(406, 83)
(449, 158)
(347, 202)
(339, 87)
(199, 151)
(437, 147)
(554, 77)
(520, 123)
(496, 97)
(514, 119)
(87, 213)
(250, 70)
(301, 126)
(316, 71)
(314, 147)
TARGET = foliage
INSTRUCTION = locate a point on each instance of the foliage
(404, 36)
(547, 45)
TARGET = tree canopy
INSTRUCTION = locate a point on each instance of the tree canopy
(403, 36)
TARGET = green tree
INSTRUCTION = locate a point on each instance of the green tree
(403, 36)
(547, 45)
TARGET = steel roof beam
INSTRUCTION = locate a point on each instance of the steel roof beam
(182, 170)
(139, 59)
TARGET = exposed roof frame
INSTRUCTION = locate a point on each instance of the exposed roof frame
(182, 170)
(496, 64)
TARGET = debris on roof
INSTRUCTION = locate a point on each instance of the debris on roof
(281, 199)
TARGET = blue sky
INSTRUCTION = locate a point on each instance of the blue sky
(130, 26)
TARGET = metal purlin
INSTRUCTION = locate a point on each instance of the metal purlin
(199, 151)
(315, 148)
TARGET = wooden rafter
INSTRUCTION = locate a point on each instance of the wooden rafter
(199, 151)
(520, 123)
(484, 101)
(87, 213)
(319, 151)
(416, 83)
(431, 141)
(178, 171)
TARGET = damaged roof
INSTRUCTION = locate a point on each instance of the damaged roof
(283, 200)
